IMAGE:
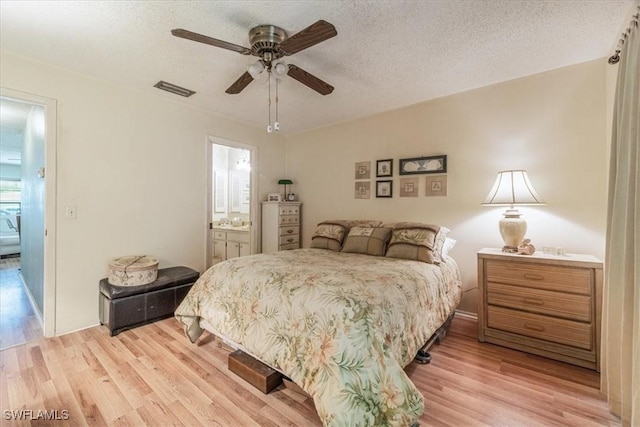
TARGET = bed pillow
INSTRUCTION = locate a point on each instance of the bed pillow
(367, 240)
(416, 241)
(329, 235)
(449, 243)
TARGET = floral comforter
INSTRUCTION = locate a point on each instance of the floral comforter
(342, 326)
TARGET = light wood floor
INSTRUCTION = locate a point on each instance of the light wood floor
(152, 375)
(18, 321)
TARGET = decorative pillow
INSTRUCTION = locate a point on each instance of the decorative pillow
(367, 240)
(449, 243)
(329, 235)
(416, 241)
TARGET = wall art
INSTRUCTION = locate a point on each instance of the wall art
(409, 187)
(436, 186)
(422, 165)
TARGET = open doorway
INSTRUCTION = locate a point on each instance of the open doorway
(232, 202)
(27, 157)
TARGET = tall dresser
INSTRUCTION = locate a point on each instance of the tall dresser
(542, 304)
(280, 226)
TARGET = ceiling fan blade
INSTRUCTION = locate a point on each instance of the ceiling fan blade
(309, 80)
(313, 34)
(185, 34)
(240, 84)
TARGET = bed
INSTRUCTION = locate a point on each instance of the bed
(340, 322)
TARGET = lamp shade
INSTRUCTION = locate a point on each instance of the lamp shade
(512, 187)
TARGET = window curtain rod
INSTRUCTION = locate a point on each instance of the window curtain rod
(613, 59)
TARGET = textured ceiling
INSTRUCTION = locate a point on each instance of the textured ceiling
(387, 54)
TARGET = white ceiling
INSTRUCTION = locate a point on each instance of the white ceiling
(387, 54)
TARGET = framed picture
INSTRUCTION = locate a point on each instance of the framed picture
(363, 190)
(384, 188)
(274, 197)
(384, 168)
(421, 165)
(436, 186)
(409, 187)
(363, 170)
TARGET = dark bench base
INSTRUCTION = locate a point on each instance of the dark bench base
(126, 307)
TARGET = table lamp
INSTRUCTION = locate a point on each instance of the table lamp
(512, 188)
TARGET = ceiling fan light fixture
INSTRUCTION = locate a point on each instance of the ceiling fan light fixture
(279, 69)
(256, 69)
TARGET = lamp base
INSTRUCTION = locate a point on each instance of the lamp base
(512, 229)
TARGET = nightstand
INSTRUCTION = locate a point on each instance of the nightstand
(542, 304)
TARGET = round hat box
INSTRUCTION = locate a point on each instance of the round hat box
(133, 270)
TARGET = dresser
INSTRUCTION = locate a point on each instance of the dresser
(542, 304)
(280, 226)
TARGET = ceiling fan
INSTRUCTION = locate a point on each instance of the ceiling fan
(270, 43)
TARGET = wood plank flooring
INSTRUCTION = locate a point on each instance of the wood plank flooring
(18, 321)
(152, 376)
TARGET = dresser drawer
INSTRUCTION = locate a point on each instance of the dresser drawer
(550, 277)
(555, 330)
(289, 247)
(289, 210)
(288, 231)
(288, 219)
(219, 235)
(568, 306)
(287, 240)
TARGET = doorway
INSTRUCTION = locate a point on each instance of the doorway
(27, 160)
(232, 200)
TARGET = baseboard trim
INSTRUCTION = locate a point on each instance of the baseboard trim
(32, 301)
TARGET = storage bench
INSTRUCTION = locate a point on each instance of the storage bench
(125, 307)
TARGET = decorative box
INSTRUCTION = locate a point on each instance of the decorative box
(133, 270)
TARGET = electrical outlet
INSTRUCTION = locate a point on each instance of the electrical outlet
(70, 212)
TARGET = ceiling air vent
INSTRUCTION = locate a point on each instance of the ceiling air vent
(174, 89)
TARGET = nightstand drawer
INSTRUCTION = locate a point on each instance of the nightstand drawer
(550, 277)
(568, 306)
(560, 331)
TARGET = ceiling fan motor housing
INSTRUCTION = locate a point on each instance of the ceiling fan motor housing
(265, 41)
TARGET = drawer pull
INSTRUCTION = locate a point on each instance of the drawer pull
(289, 240)
(533, 277)
(289, 231)
(534, 327)
(533, 301)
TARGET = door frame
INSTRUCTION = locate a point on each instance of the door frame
(253, 193)
(50, 155)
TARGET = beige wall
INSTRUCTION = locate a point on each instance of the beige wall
(551, 124)
(135, 166)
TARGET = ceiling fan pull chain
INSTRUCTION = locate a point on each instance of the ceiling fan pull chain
(269, 128)
(276, 125)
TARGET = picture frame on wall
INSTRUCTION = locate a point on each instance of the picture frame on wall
(409, 187)
(436, 186)
(384, 188)
(423, 165)
(384, 168)
(363, 190)
(363, 170)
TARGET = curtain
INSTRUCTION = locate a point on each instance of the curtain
(620, 361)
